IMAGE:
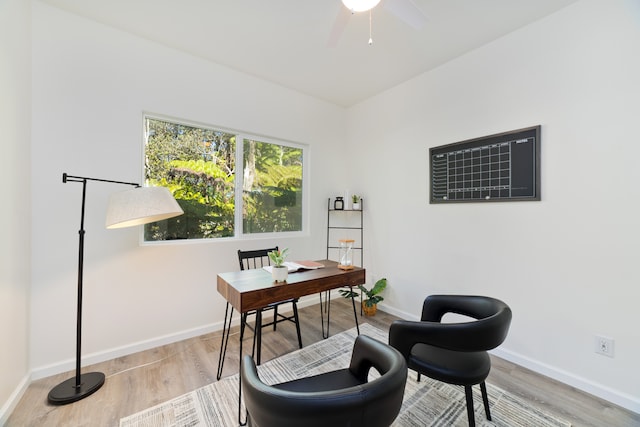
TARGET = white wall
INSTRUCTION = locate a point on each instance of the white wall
(564, 264)
(15, 224)
(91, 84)
(567, 265)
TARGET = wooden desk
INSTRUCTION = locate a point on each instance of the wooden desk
(249, 290)
(253, 289)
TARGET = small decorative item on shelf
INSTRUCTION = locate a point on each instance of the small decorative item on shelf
(338, 204)
(279, 272)
(356, 202)
(346, 254)
(369, 305)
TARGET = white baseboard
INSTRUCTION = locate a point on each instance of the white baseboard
(90, 359)
(398, 313)
(13, 400)
(627, 401)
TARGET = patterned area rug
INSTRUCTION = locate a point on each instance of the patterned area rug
(426, 403)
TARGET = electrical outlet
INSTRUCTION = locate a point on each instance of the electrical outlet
(604, 345)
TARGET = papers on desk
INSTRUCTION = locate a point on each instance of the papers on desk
(297, 265)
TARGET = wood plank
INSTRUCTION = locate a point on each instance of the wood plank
(141, 380)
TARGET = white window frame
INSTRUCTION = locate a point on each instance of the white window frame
(241, 136)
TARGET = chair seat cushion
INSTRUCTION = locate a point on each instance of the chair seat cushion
(329, 381)
(453, 367)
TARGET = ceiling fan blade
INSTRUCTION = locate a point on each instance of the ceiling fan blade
(407, 11)
(338, 27)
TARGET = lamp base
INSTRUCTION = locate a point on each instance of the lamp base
(67, 392)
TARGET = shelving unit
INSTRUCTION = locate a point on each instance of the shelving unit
(351, 222)
(353, 227)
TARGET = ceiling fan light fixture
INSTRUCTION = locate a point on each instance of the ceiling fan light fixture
(360, 5)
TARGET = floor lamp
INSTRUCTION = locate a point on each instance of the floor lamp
(137, 206)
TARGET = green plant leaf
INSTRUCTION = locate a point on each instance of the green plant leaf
(278, 257)
(379, 286)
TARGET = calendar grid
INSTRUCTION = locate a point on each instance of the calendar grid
(477, 172)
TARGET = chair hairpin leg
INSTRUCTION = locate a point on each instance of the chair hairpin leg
(275, 317)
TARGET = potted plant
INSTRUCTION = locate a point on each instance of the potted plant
(356, 202)
(279, 271)
(370, 304)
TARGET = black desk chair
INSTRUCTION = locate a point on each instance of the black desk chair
(454, 353)
(258, 259)
(338, 398)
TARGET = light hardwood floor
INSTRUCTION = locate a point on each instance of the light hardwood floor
(141, 380)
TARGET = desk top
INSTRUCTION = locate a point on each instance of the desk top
(252, 289)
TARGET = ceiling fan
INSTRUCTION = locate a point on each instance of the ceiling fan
(405, 10)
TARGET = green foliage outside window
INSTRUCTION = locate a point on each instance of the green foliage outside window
(272, 188)
(198, 166)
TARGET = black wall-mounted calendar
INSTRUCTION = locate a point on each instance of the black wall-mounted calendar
(494, 168)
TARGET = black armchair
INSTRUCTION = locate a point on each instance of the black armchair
(454, 353)
(338, 398)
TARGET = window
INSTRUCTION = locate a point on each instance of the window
(271, 188)
(198, 165)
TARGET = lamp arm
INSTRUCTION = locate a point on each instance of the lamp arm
(70, 178)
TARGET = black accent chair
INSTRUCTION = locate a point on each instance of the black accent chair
(257, 259)
(338, 398)
(454, 353)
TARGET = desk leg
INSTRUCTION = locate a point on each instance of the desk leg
(257, 342)
(240, 384)
(327, 308)
(355, 313)
(243, 324)
(226, 331)
(258, 335)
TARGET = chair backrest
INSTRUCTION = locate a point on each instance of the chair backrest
(489, 330)
(254, 259)
(366, 404)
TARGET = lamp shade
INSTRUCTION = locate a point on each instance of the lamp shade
(360, 5)
(141, 205)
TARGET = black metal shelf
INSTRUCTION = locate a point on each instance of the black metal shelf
(330, 227)
(360, 248)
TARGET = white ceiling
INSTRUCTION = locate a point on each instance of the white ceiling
(286, 41)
